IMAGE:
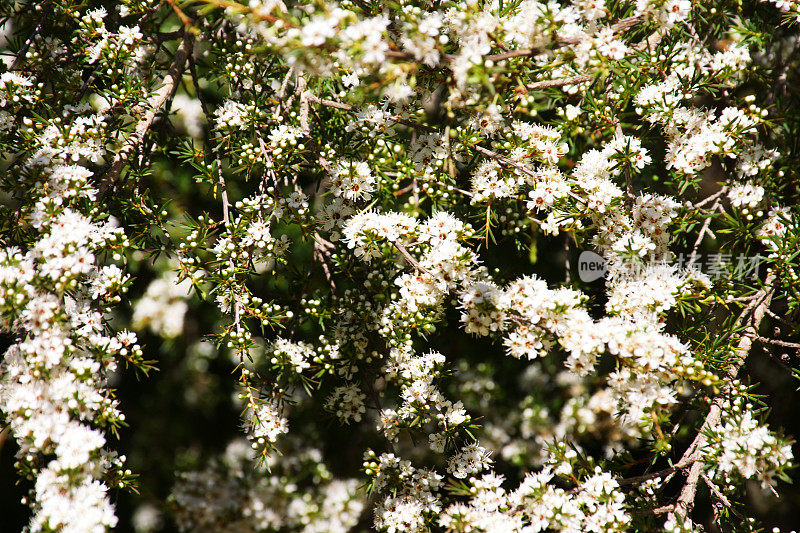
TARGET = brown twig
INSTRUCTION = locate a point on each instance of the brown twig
(657, 511)
(758, 306)
(776, 342)
(635, 480)
(353, 109)
(22, 51)
(282, 94)
(181, 15)
(242, 8)
(703, 230)
(782, 320)
(154, 105)
(300, 91)
(561, 82)
(711, 198)
(713, 487)
(320, 255)
(410, 258)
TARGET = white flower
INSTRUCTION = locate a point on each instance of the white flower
(347, 403)
(231, 115)
(353, 181)
(129, 36)
(75, 445)
(163, 306)
(490, 181)
(266, 422)
(470, 460)
(297, 354)
(745, 195)
(318, 30)
(350, 80)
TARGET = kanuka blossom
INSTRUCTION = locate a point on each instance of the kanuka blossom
(53, 375)
(353, 181)
(740, 446)
(745, 195)
(266, 422)
(347, 403)
(369, 208)
(163, 306)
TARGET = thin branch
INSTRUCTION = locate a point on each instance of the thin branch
(86, 86)
(181, 15)
(703, 230)
(310, 97)
(776, 342)
(405, 189)
(410, 258)
(282, 94)
(711, 198)
(325, 243)
(657, 511)
(713, 487)
(635, 480)
(314, 99)
(759, 307)
(212, 145)
(627, 23)
(546, 84)
(685, 503)
(510, 54)
(498, 42)
(154, 105)
(22, 51)
(321, 254)
(243, 8)
(731, 299)
(300, 90)
(782, 320)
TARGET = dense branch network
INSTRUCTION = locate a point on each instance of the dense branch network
(371, 210)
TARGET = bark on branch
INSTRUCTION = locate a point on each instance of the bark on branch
(560, 82)
(758, 307)
(312, 98)
(154, 106)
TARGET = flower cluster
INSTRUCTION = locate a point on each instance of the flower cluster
(377, 217)
(741, 447)
(537, 506)
(347, 403)
(236, 493)
(53, 393)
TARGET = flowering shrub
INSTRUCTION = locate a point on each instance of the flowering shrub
(332, 259)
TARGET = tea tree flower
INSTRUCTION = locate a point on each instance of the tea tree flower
(460, 266)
